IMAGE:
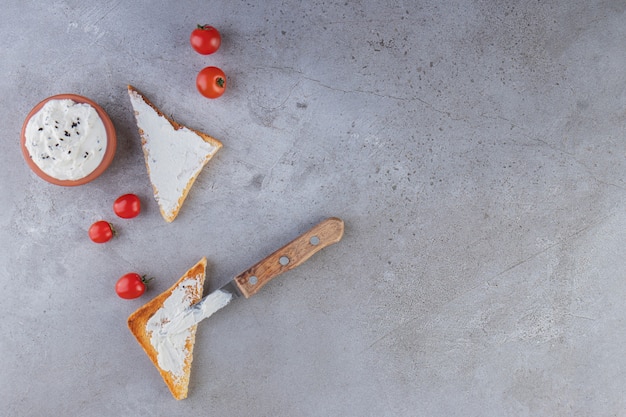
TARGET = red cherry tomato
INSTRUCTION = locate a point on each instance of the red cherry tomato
(101, 231)
(211, 82)
(127, 206)
(205, 39)
(131, 285)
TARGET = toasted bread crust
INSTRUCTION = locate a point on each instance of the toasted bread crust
(169, 217)
(138, 320)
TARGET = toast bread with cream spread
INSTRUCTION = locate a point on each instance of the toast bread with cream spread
(138, 325)
(174, 154)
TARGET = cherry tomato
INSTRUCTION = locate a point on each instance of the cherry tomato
(127, 206)
(101, 231)
(211, 82)
(205, 39)
(131, 285)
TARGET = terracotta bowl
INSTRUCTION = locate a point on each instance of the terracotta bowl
(109, 153)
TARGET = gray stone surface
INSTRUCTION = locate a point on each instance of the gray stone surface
(475, 150)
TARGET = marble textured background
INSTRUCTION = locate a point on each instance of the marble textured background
(475, 150)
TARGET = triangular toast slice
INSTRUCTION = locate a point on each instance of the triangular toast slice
(172, 358)
(174, 154)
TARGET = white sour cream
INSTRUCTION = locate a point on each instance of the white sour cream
(171, 325)
(65, 139)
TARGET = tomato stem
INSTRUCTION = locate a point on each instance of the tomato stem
(220, 81)
(146, 280)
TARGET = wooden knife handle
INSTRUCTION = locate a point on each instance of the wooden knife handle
(290, 256)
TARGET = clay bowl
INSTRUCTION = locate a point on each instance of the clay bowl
(109, 153)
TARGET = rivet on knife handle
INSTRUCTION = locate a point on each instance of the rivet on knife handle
(290, 256)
